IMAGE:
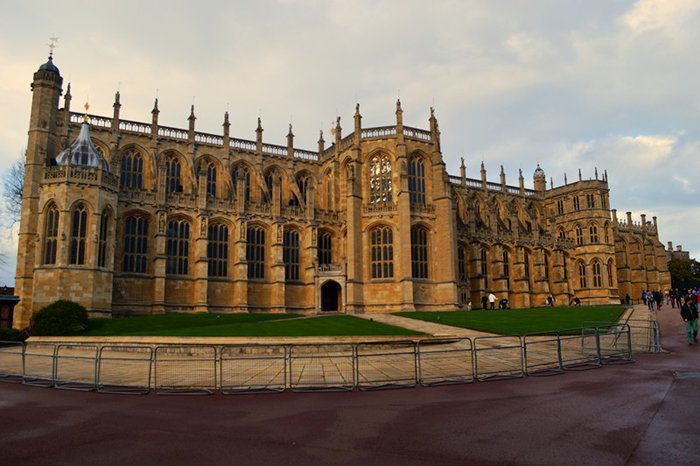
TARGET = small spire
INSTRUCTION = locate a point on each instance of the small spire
(462, 164)
(117, 95)
(565, 181)
(398, 105)
(579, 175)
(192, 117)
(320, 136)
(259, 128)
(155, 106)
(482, 165)
(551, 183)
(357, 109)
(226, 122)
(52, 45)
(290, 134)
(68, 94)
(432, 113)
(520, 172)
(606, 175)
(502, 171)
(596, 173)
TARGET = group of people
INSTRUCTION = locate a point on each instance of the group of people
(653, 299)
(688, 302)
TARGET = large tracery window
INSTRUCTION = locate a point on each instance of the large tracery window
(506, 267)
(382, 252)
(78, 234)
(484, 265)
(380, 180)
(135, 244)
(217, 250)
(290, 254)
(255, 252)
(177, 247)
(173, 183)
(526, 261)
(325, 248)
(419, 252)
(463, 276)
(610, 273)
(416, 180)
(211, 180)
(51, 235)
(241, 172)
(131, 174)
(102, 242)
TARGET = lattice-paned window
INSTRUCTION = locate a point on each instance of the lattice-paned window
(593, 230)
(526, 264)
(577, 203)
(51, 234)
(560, 206)
(419, 252)
(177, 247)
(325, 248)
(131, 173)
(381, 248)
(217, 250)
(102, 241)
(238, 173)
(590, 201)
(380, 180)
(255, 252)
(579, 236)
(135, 244)
(462, 274)
(173, 182)
(290, 254)
(416, 180)
(597, 274)
(610, 273)
(582, 279)
(211, 180)
(78, 233)
(506, 267)
(484, 264)
(269, 183)
(562, 233)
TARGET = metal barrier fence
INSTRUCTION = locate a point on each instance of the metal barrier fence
(229, 369)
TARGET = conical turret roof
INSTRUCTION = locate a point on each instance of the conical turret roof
(82, 153)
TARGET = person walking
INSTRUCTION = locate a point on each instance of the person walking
(689, 314)
(492, 300)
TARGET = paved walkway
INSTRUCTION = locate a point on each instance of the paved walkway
(431, 328)
(633, 414)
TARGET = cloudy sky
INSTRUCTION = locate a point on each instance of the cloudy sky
(569, 84)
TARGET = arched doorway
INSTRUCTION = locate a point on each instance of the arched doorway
(330, 296)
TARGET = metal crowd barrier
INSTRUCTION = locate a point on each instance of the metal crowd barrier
(230, 369)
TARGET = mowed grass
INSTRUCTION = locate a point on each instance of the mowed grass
(522, 321)
(241, 325)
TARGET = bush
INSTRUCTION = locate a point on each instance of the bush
(11, 334)
(62, 318)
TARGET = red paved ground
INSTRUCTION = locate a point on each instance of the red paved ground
(630, 414)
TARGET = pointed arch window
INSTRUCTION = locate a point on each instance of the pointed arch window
(381, 252)
(303, 185)
(579, 235)
(325, 248)
(217, 250)
(416, 180)
(329, 191)
(269, 183)
(506, 267)
(51, 234)
(131, 173)
(173, 182)
(135, 244)
(526, 263)
(593, 230)
(241, 174)
(78, 235)
(290, 254)
(211, 180)
(177, 247)
(582, 279)
(255, 252)
(102, 241)
(484, 264)
(419, 252)
(463, 276)
(597, 274)
(380, 180)
(610, 273)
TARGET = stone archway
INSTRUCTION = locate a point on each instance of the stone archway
(331, 296)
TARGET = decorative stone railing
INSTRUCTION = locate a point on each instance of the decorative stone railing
(256, 208)
(415, 133)
(326, 268)
(328, 215)
(181, 200)
(137, 196)
(82, 175)
(293, 211)
(379, 132)
(491, 186)
(227, 205)
(379, 208)
(423, 208)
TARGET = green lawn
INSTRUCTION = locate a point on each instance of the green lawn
(521, 321)
(240, 325)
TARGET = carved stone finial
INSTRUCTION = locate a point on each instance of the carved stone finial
(462, 159)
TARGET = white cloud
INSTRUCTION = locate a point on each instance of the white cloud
(648, 15)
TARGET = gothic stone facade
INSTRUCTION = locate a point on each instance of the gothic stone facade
(179, 220)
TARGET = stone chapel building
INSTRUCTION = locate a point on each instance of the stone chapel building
(131, 217)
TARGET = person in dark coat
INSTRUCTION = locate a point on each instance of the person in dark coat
(689, 313)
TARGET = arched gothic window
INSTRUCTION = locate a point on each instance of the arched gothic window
(290, 254)
(211, 180)
(419, 252)
(131, 173)
(269, 183)
(381, 252)
(135, 244)
(217, 250)
(526, 260)
(593, 230)
(380, 180)
(255, 251)
(102, 242)
(506, 267)
(241, 172)
(416, 180)
(51, 234)
(329, 192)
(325, 248)
(583, 282)
(303, 185)
(177, 247)
(78, 234)
(546, 266)
(463, 276)
(579, 235)
(610, 273)
(484, 265)
(597, 275)
(173, 182)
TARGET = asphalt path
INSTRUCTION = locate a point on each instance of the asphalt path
(625, 414)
